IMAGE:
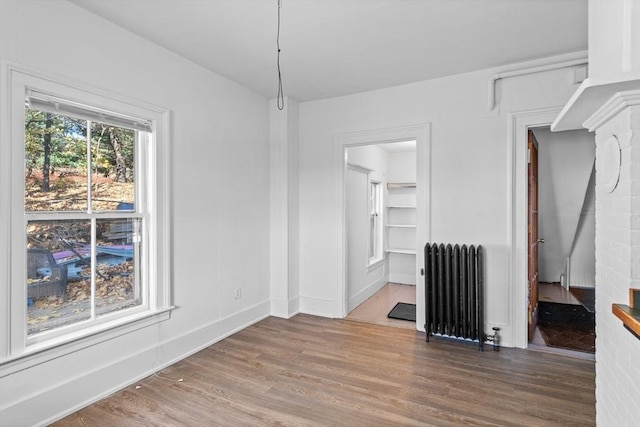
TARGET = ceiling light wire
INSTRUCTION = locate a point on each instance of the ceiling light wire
(280, 91)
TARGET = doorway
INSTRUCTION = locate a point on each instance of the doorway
(421, 135)
(561, 240)
(380, 202)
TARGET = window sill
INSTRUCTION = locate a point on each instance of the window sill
(375, 264)
(43, 352)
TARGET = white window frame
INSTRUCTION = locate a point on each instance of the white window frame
(376, 211)
(17, 350)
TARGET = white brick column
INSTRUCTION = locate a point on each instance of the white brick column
(613, 89)
(617, 260)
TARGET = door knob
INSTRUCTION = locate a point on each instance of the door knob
(422, 271)
(540, 240)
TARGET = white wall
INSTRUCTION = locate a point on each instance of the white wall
(470, 172)
(293, 207)
(362, 281)
(220, 187)
(284, 218)
(565, 161)
(582, 269)
(614, 40)
(369, 157)
(402, 166)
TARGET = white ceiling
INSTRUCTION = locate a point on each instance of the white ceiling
(339, 47)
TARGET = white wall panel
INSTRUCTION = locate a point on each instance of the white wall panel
(362, 282)
(220, 204)
(582, 271)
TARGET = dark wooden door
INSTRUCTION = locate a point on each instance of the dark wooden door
(532, 234)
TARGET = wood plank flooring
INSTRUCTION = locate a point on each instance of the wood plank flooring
(313, 371)
(376, 308)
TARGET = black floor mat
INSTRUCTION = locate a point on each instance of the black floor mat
(403, 311)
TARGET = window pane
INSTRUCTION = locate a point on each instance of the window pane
(55, 162)
(374, 226)
(118, 265)
(58, 273)
(112, 168)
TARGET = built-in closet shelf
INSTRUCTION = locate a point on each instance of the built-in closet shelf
(401, 213)
(392, 185)
(401, 251)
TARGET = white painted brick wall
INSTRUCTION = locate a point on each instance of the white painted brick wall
(618, 269)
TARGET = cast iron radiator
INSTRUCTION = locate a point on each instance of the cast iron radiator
(454, 292)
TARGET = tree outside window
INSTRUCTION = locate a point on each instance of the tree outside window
(80, 182)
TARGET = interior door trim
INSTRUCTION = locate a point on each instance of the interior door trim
(421, 133)
(518, 124)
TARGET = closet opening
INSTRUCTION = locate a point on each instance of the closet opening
(381, 238)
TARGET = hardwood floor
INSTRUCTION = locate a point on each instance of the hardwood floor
(313, 371)
(376, 308)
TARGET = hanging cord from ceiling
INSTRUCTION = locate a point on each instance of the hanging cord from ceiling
(280, 91)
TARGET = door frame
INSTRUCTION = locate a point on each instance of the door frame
(533, 237)
(421, 133)
(519, 124)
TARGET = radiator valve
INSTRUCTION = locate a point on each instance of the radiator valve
(495, 338)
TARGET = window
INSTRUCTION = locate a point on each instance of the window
(80, 204)
(375, 221)
(88, 209)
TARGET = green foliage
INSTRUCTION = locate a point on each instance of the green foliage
(68, 136)
(112, 151)
(112, 148)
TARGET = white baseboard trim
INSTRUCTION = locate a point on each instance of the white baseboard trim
(285, 309)
(402, 278)
(366, 293)
(320, 307)
(122, 373)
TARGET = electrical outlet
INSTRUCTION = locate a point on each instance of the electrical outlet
(238, 293)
